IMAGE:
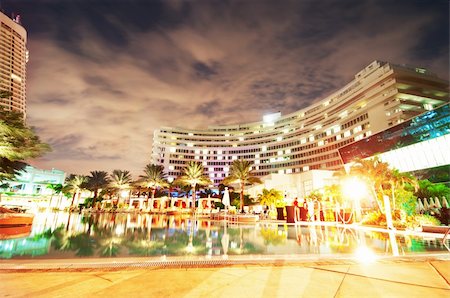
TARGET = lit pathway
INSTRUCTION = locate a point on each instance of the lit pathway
(391, 278)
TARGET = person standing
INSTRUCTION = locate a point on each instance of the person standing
(296, 210)
(303, 210)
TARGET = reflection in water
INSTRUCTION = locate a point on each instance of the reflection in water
(63, 235)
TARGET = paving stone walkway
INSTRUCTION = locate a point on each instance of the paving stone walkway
(411, 278)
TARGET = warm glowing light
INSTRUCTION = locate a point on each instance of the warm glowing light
(354, 188)
(190, 248)
(269, 118)
(124, 193)
(364, 255)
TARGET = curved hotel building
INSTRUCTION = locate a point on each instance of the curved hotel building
(13, 59)
(380, 96)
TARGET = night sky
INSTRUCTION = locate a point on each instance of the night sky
(103, 75)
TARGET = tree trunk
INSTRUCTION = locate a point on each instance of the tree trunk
(73, 199)
(393, 196)
(193, 198)
(153, 198)
(94, 200)
(242, 198)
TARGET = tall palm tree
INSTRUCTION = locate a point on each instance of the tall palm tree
(153, 178)
(120, 180)
(241, 173)
(96, 181)
(76, 184)
(193, 175)
(399, 180)
(56, 189)
(375, 172)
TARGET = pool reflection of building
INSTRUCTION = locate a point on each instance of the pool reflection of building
(123, 235)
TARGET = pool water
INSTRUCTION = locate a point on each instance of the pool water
(60, 235)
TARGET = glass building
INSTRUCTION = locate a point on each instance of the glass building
(420, 143)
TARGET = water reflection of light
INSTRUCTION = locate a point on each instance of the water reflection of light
(119, 230)
(190, 248)
(364, 255)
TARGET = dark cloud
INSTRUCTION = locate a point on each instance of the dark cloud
(205, 71)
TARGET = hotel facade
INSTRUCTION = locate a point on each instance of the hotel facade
(380, 96)
(13, 60)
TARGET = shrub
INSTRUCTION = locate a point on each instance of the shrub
(424, 219)
(374, 218)
(406, 201)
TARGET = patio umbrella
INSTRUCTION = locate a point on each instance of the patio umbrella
(419, 208)
(444, 202)
(426, 206)
(437, 204)
(226, 198)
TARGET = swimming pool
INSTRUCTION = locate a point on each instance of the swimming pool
(60, 235)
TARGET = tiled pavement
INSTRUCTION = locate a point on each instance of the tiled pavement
(388, 278)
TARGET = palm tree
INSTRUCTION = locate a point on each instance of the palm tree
(154, 177)
(96, 181)
(241, 172)
(120, 180)
(399, 180)
(76, 184)
(56, 189)
(375, 172)
(193, 175)
(18, 143)
(270, 197)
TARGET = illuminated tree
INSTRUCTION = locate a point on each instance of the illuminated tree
(153, 178)
(193, 175)
(18, 143)
(241, 173)
(270, 197)
(96, 181)
(120, 180)
(76, 184)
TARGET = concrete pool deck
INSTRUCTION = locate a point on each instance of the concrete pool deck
(391, 277)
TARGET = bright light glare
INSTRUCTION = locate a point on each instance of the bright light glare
(365, 255)
(190, 248)
(354, 188)
(124, 193)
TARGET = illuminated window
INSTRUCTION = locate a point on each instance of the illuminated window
(428, 106)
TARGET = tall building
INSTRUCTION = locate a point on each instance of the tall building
(13, 59)
(380, 96)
